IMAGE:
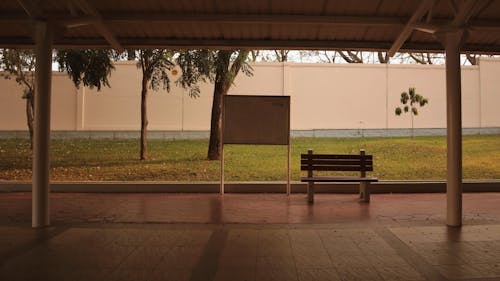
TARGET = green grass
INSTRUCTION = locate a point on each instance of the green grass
(185, 160)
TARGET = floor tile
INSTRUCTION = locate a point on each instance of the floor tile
(275, 262)
(400, 273)
(235, 275)
(318, 274)
(286, 274)
(352, 273)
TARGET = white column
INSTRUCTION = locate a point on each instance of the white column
(453, 42)
(41, 138)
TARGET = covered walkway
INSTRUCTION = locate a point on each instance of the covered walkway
(249, 237)
(469, 26)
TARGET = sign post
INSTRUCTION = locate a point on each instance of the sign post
(260, 120)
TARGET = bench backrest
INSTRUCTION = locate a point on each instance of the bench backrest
(336, 162)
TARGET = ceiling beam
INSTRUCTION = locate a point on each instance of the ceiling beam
(145, 43)
(465, 11)
(483, 24)
(331, 21)
(99, 25)
(207, 43)
(462, 19)
(31, 8)
(245, 19)
(423, 8)
(453, 6)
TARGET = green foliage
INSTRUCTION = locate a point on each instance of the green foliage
(156, 65)
(404, 97)
(414, 99)
(201, 66)
(247, 69)
(220, 67)
(196, 66)
(20, 66)
(411, 100)
(90, 67)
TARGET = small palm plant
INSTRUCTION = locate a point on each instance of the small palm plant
(411, 101)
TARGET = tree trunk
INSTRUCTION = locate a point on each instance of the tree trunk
(383, 57)
(214, 147)
(131, 55)
(429, 59)
(30, 105)
(220, 89)
(224, 77)
(144, 118)
(472, 59)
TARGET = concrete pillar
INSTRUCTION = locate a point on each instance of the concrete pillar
(41, 138)
(452, 42)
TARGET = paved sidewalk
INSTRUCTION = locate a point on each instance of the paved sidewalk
(257, 237)
(398, 209)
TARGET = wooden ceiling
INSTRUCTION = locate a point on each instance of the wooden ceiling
(383, 25)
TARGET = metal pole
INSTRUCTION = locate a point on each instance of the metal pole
(454, 128)
(222, 170)
(41, 137)
(310, 184)
(288, 187)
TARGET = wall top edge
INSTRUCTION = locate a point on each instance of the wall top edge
(489, 59)
(330, 65)
(54, 73)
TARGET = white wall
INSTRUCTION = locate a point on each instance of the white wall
(489, 95)
(323, 96)
(64, 104)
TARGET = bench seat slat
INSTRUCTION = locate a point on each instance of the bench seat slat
(338, 168)
(337, 179)
(335, 156)
(336, 162)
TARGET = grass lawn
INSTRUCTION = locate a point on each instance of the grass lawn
(185, 160)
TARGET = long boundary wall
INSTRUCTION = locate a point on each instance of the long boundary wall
(350, 99)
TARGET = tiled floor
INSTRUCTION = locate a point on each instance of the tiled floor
(395, 237)
(473, 252)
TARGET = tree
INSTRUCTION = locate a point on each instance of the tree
(20, 65)
(383, 57)
(351, 57)
(155, 65)
(90, 67)
(414, 100)
(421, 58)
(473, 59)
(220, 67)
(281, 55)
(254, 54)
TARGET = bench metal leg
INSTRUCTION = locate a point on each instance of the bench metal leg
(310, 192)
(364, 191)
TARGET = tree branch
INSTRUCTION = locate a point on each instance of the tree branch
(236, 66)
(416, 59)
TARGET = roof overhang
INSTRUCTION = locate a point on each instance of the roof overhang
(384, 25)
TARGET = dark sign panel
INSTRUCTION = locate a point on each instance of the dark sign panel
(256, 120)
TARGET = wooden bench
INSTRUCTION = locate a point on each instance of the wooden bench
(337, 162)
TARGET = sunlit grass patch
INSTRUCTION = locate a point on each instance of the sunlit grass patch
(419, 158)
